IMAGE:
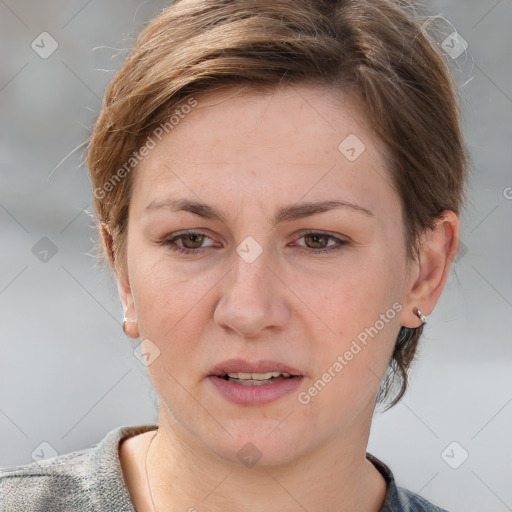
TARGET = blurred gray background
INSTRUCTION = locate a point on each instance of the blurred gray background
(68, 374)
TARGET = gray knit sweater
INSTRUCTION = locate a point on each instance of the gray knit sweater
(91, 480)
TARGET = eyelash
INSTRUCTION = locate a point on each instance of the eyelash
(170, 243)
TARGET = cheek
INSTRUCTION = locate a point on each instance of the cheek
(360, 310)
(352, 296)
(333, 304)
(349, 367)
(170, 303)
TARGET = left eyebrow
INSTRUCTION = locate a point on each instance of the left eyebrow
(300, 211)
(283, 214)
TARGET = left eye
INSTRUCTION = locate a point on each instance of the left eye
(191, 242)
(319, 239)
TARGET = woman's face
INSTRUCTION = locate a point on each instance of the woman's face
(271, 278)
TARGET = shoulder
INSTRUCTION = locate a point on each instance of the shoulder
(57, 483)
(86, 480)
(417, 503)
(399, 499)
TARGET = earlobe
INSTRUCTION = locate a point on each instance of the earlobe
(429, 273)
(130, 325)
(131, 329)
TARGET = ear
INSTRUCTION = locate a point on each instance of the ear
(428, 274)
(130, 326)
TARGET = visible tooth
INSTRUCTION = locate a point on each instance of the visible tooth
(261, 376)
(254, 382)
(256, 376)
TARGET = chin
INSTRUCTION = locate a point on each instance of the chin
(263, 442)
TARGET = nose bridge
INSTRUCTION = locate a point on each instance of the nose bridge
(251, 274)
(250, 300)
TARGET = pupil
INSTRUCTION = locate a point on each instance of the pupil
(194, 238)
(316, 238)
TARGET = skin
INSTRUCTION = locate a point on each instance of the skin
(246, 154)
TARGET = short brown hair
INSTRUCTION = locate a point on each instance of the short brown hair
(377, 50)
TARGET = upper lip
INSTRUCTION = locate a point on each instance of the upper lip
(242, 366)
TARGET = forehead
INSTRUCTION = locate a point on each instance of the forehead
(294, 140)
(303, 117)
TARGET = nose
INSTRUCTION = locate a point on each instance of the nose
(253, 302)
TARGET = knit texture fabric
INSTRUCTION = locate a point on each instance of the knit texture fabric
(91, 480)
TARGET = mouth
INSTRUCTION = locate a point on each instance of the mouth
(254, 383)
(256, 379)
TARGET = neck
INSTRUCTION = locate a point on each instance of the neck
(186, 475)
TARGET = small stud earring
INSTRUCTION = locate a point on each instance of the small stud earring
(421, 316)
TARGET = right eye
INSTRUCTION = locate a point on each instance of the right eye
(191, 242)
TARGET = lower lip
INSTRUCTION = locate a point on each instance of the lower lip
(255, 395)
